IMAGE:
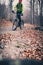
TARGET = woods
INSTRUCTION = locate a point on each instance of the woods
(26, 42)
(36, 8)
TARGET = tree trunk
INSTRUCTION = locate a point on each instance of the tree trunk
(41, 21)
(32, 11)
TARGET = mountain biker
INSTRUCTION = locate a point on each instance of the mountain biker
(19, 8)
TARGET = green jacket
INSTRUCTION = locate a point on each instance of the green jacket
(19, 7)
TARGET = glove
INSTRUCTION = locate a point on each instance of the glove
(13, 11)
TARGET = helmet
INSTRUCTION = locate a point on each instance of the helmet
(20, 0)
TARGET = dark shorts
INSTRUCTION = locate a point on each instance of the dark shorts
(19, 15)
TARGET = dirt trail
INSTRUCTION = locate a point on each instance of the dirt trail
(26, 43)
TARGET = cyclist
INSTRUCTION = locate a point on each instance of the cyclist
(19, 8)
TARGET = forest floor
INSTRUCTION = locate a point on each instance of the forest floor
(25, 43)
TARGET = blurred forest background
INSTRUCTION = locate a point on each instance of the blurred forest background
(25, 43)
(32, 10)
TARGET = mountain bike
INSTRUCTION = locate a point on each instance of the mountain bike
(16, 22)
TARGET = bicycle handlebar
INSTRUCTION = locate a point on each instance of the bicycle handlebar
(15, 13)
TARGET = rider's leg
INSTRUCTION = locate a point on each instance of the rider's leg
(19, 17)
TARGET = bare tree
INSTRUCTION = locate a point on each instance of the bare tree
(41, 6)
